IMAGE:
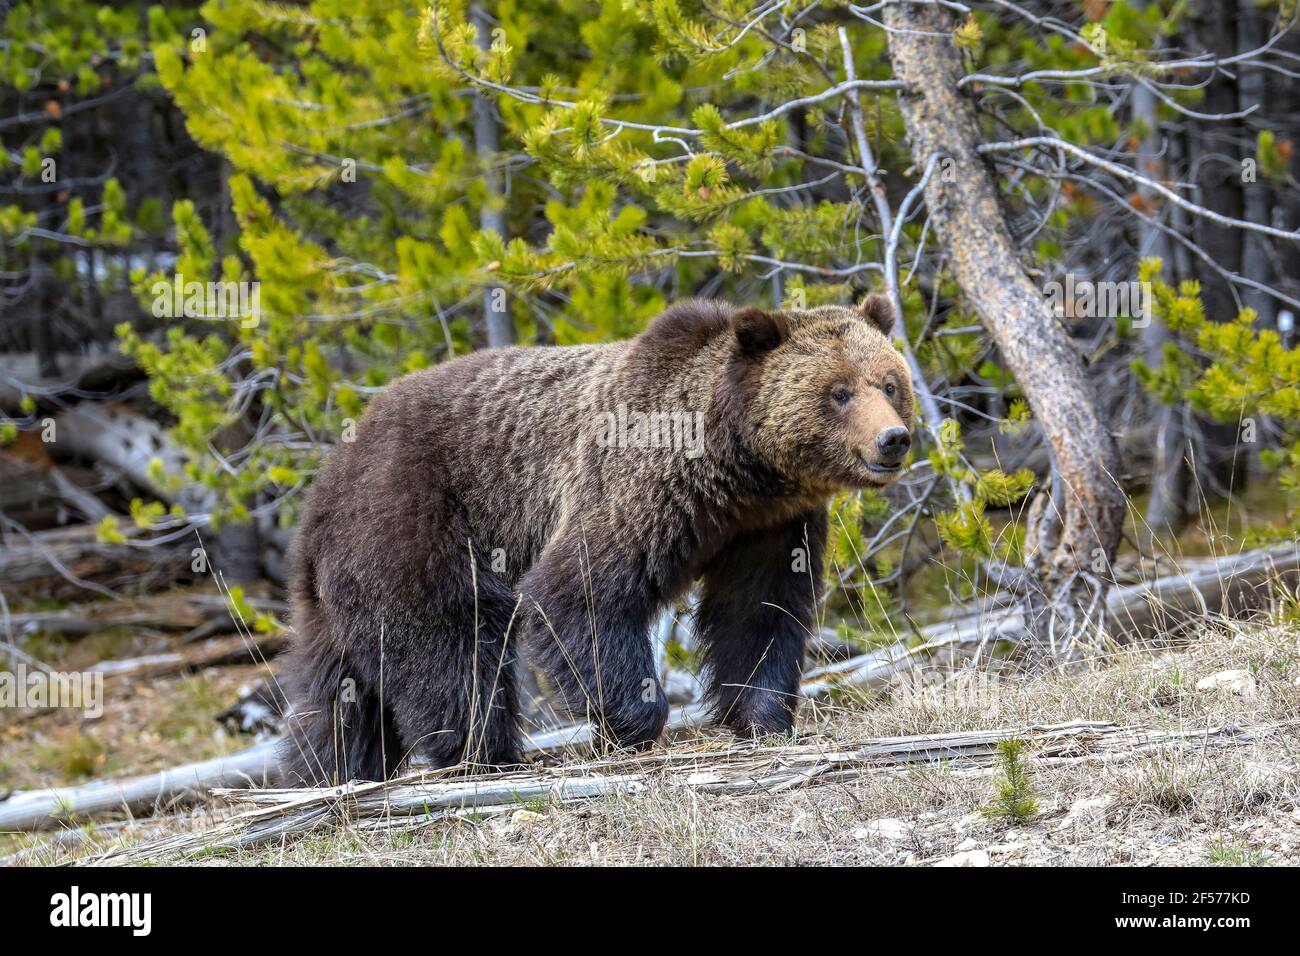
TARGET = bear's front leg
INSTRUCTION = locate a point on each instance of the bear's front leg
(756, 611)
(590, 630)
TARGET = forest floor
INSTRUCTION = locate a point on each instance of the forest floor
(1227, 804)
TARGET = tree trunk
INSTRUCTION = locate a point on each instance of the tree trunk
(1167, 508)
(492, 217)
(1257, 197)
(1075, 527)
(1217, 144)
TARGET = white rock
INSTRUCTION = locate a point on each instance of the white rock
(1087, 806)
(1241, 683)
(967, 858)
(1262, 775)
(886, 828)
(969, 843)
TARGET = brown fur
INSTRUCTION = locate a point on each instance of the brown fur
(479, 507)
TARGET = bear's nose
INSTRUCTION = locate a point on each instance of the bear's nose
(893, 444)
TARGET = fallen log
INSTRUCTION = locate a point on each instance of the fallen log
(69, 841)
(1227, 586)
(214, 652)
(116, 434)
(66, 562)
(24, 374)
(39, 495)
(169, 611)
(39, 809)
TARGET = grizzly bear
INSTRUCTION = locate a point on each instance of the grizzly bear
(556, 498)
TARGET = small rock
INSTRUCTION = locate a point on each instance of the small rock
(969, 843)
(1087, 807)
(1240, 683)
(525, 818)
(967, 858)
(1260, 776)
(1006, 849)
(969, 820)
(887, 828)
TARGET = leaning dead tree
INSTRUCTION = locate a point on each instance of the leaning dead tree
(1075, 523)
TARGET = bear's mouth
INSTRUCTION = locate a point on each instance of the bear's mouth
(883, 469)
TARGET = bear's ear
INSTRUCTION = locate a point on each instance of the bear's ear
(877, 311)
(758, 331)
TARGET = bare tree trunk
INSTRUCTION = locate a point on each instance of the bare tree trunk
(1257, 196)
(1167, 508)
(1220, 465)
(492, 217)
(1075, 527)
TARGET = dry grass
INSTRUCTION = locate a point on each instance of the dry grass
(1237, 805)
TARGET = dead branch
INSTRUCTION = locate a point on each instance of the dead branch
(214, 652)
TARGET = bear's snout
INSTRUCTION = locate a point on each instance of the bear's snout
(893, 444)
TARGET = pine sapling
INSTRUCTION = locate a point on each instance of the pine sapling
(1014, 799)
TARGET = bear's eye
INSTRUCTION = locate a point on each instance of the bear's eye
(841, 395)
(889, 389)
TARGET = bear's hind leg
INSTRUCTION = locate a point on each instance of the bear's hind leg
(450, 679)
(337, 730)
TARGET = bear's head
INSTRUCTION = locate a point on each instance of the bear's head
(828, 399)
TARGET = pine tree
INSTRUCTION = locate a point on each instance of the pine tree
(76, 207)
(1236, 372)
